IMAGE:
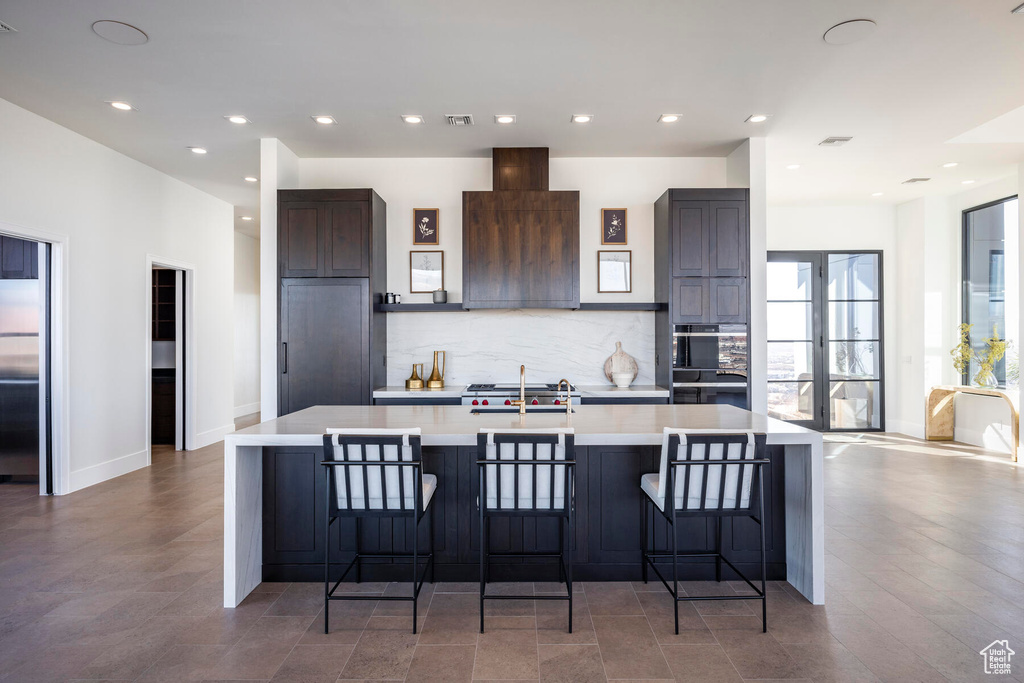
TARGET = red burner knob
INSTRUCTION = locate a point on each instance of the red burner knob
(558, 402)
(508, 402)
(535, 401)
(485, 401)
(476, 402)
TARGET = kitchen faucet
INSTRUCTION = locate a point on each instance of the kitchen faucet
(568, 397)
(522, 391)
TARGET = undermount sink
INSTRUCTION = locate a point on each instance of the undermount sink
(529, 409)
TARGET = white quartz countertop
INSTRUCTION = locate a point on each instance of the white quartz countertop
(457, 426)
(449, 391)
(612, 391)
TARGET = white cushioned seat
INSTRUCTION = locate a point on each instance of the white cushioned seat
(654, 484)
(375, 476)
(506, 486)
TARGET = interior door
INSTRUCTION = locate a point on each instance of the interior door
(795, 375)
(325, 342)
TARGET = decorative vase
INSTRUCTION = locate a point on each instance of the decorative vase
(620, 363)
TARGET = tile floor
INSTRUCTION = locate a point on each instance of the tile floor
(122, 581)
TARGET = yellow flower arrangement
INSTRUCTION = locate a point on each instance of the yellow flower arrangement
(963, 354)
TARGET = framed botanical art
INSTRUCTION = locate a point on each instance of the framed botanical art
(614, 271)
(426, 271)
(426, 227)
(613, 226)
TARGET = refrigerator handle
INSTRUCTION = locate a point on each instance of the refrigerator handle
(285, 371)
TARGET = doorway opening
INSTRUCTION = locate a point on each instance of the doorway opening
(26, 417)
(170, 356)
(825, 340)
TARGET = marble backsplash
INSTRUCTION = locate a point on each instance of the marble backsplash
(489, 346)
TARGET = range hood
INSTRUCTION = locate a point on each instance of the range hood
(520, 241)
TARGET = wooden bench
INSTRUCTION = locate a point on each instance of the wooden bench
(939, 420)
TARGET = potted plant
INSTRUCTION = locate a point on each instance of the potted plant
(963, 354)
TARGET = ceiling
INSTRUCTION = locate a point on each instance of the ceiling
(909, 94)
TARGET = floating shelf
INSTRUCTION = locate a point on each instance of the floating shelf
(450, 307)
(620, 307)
(419, 308)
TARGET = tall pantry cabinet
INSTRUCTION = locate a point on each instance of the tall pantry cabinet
(332, 269)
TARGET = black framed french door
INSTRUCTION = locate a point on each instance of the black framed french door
(825, 339)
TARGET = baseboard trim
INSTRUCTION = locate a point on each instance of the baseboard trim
(212, 436)
(95, 474)
(247, 409)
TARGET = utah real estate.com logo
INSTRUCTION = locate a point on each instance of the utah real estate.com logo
(997, 657)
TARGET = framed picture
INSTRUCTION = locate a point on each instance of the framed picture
(426, 271)
(426, 228)
(613, 226)
(614, 271)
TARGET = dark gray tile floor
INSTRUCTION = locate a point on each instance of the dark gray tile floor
(122, 582)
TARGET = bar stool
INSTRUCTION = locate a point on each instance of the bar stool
(358, 486)
(700, 489)
(532, 487)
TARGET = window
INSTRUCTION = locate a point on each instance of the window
(825, 339)
(990, 284)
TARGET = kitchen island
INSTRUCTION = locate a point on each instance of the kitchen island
(273, 480)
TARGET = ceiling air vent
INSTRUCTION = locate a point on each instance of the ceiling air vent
(459, 119)
(911, 181)
(834, 142)
(7, 28)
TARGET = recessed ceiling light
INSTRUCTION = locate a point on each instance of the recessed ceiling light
(251, 179)
(246, 218)
(793, 167)
(119, 32)
(237, 118)
(582, 118)
(324, 119)
(877, 194)
(412, 118)
(967, 182)
(757, 118)
(849, 32)
(949, 164)
(505, 118)
(668, 118)
(198, 150)
(123, 106)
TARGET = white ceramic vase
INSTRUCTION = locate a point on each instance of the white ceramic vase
(620, 363)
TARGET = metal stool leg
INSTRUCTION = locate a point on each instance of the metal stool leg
(415, 568)
(359, 562)
(568, 564)
(327, 569)
(643, 539)
(764, 563)
(675, 570)
(718, 549)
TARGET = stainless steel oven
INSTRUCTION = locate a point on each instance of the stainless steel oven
(710, 364)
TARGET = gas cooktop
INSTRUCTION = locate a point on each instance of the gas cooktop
(511, 386)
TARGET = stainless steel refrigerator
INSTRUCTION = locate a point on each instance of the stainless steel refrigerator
(20, 305)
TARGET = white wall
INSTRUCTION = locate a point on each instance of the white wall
(834, 228)
(111, 212)
(490, 345)
(247, 325)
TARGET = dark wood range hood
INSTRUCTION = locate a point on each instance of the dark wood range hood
(520, 242)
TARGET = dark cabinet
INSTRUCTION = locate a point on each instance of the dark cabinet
(701, 269)
(324, 239)
(164, 304)
(19, 259)
(727, 239)
(332, 265)
(163, 409)
(727, 300)
(325, 353)
(690, 297)
(690, 243)
(520, 249)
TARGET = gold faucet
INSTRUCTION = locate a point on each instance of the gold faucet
(522, 391)
(568, 397)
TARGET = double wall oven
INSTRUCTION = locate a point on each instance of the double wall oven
(709, 364)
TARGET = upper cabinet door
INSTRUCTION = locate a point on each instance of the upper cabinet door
(690, 239)
(728, 238)
(727, 300)
(690, 300)
(300, 239)
(347, 249)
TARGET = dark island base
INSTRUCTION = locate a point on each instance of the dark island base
(609, 505)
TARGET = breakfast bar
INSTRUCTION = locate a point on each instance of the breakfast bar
(273, 482)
